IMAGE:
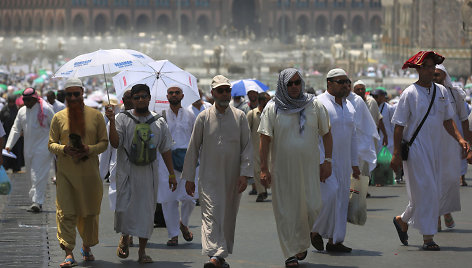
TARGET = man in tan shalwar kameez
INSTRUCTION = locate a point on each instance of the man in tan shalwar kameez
(79, 188)
(222, 133)
(291, 126)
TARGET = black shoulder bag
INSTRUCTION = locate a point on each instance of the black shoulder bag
(406, 144)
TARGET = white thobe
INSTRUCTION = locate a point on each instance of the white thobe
(136, 186)
(387, 111)
(107, 164)
(422, 169)
(226, 154)
(332, 220)
(38, 159)
(58, 106)
(367, 133)
(180, 127)
(196, 111)
(296, 197)
(451, 160)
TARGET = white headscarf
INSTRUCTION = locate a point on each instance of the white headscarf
(448, 81)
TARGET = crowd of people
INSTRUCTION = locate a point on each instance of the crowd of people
(306, 149)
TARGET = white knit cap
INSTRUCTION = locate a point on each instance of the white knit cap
(335, 73)
(73, 82)
(358, 82)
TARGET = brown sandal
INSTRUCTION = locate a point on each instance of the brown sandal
(174, 241)
(123, 248)
(145, 259)
(188, 236)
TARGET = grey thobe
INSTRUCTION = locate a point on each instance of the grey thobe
(226, 154)
(136, 186)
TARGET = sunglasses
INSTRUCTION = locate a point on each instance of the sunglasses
(220, 90)
(342, 81)
(296, 82)
(138, 97)
(75, 94)
(436, 74)
(173, 92)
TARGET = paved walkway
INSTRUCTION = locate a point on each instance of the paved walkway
(30, 239)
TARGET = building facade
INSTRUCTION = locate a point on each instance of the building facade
(414, 25)
(262, 17)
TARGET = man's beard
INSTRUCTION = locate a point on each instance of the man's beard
(222, 103)
(175, 102)
(76, 118)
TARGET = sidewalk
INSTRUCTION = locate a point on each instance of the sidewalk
(23, 235)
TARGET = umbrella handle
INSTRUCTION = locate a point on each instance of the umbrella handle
(106, 84)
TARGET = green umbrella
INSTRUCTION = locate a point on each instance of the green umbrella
(38, 80)
(18, 92)
(368, 89)
(381, 88)
(3, 86)
(41, 72)
(468, 85)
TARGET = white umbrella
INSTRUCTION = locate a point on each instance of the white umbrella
(159, 76)
(102, 62)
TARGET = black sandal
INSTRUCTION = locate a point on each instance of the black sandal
(291, 260)
(301, 256)
(431, 246)
(402, 235)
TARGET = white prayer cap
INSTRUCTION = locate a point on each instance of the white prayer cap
(441, 67)
(73, 82)
(358, 82)
(335, 73)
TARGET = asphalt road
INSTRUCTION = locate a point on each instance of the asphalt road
(374, 245)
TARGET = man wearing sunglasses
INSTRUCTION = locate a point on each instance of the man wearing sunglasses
(180, 122)
(221, 137)
(34, 120)
(137, 185)
(422, 171)
(332, 221)
(291, 126)
(78, 135)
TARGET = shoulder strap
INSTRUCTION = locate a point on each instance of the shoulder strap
(383, 106)
(164, 115)
(152, 119)
(424, 118)
(130, 116)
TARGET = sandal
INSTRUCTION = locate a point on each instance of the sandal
(174, 241)
(291, 262)
(401, 234)
(431, 246)
(449, 221)
(302, 256)
(68, 262)
(123, 248)
(87, 255)
(317, 241)
(223, 263)
(214, 262)
(188, 236)
(145, 259)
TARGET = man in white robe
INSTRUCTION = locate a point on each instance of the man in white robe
(57, 106)
(107, 159)
(199, 105)
(136, 185)
(221, 138)
(451, 162)
(180, 122)
(366, 128)
(291, 127)
(34, 121)
(422, 168)
(387, 111)
(332, 221)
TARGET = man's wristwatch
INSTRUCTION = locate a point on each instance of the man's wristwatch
(327, 159)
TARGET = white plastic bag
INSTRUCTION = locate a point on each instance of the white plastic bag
(357, 210)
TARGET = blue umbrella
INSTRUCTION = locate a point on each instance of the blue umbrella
(242, 87)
